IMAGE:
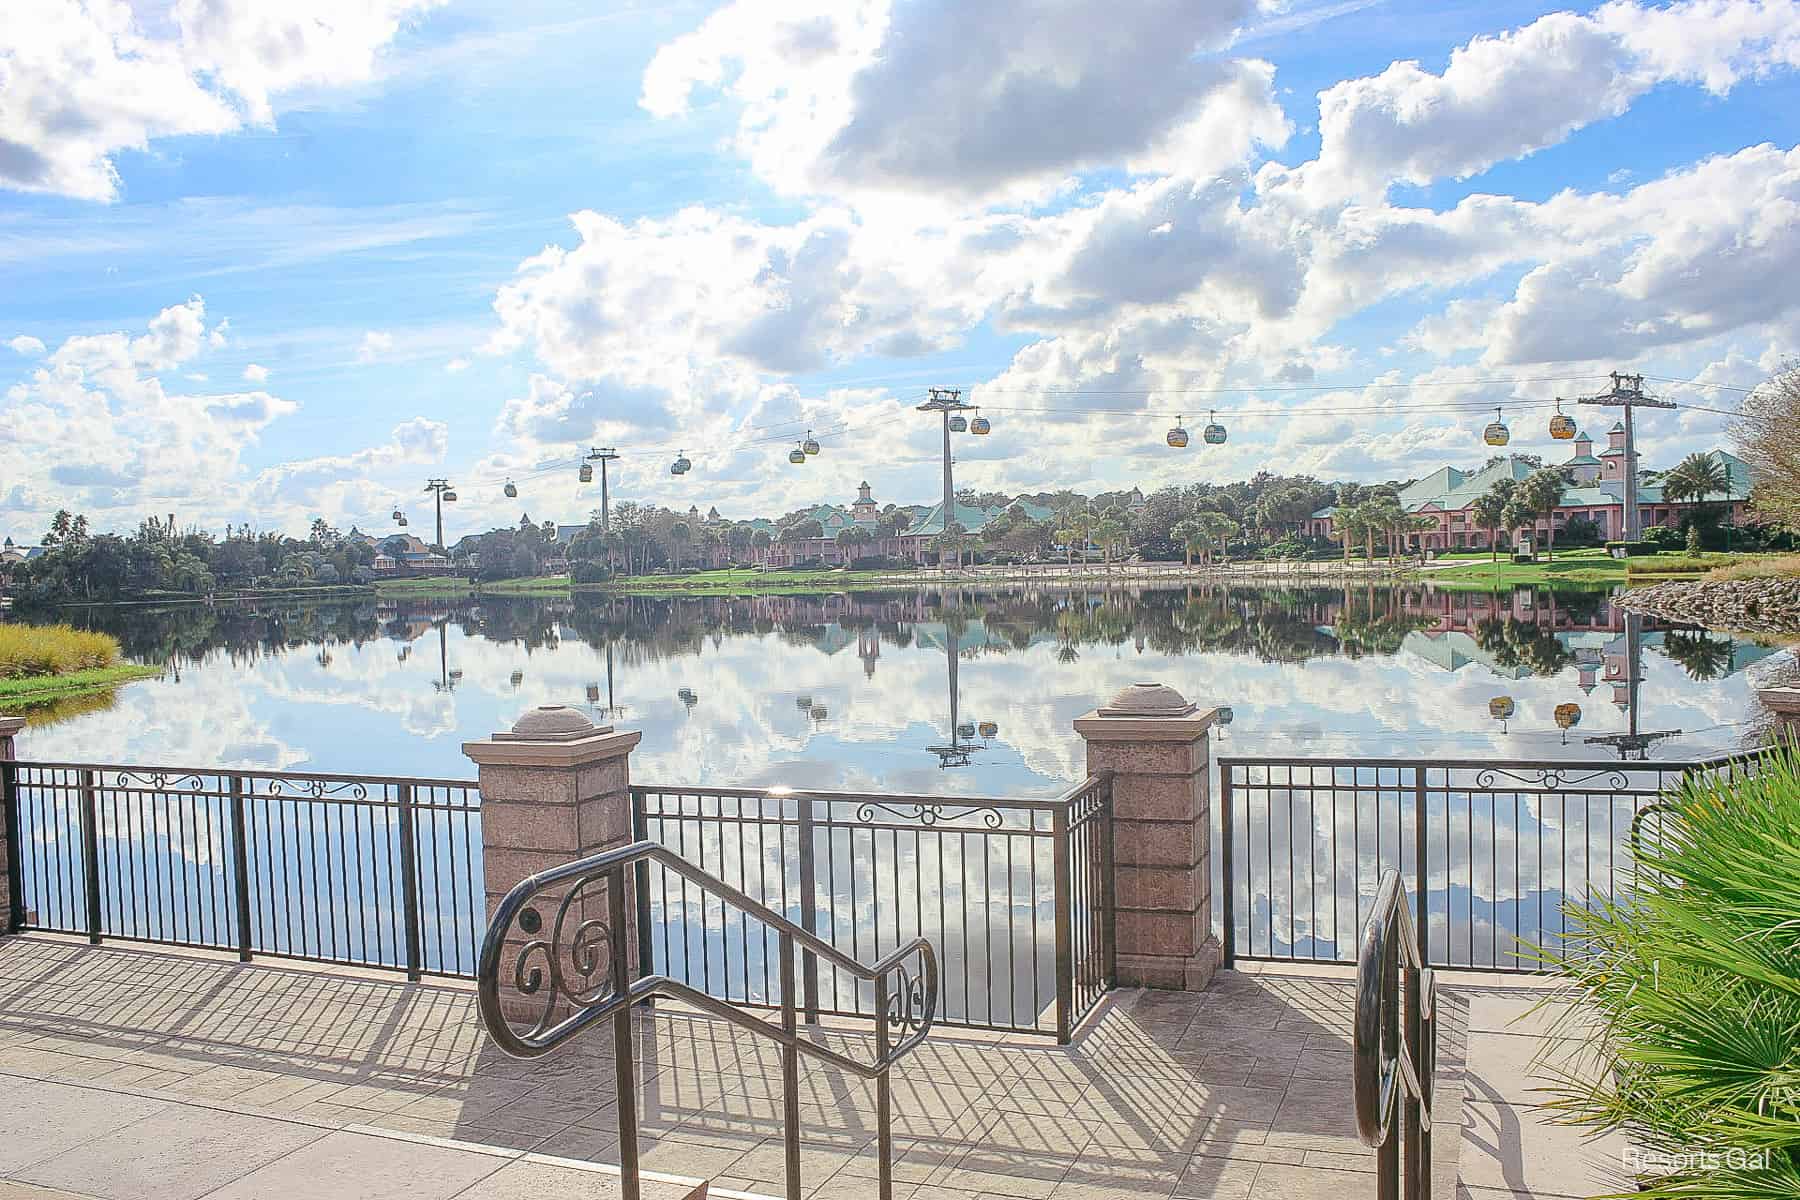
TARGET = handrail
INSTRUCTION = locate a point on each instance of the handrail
(585, 969)
(1394, 1046)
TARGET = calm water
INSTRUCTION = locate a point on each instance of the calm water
(869, 691)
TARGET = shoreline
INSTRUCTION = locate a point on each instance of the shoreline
(37, 689)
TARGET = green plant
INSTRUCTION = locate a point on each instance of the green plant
(32, 650)
(1695, 980)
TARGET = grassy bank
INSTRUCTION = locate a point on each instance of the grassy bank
(40, 688)
(693, 583)
(39, 663)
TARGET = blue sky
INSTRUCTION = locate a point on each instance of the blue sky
(369, 268)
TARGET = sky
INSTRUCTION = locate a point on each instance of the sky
(265, 262)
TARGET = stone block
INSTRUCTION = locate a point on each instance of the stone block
(607, 777)
(1171, 934)
(603, 822)
(1165, 888)
(546, 827)
(1145, 758)
(526, 785)
(1160, 843)
(1160, 797)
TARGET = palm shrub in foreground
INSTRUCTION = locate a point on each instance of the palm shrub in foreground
(27, 651)
(1696, 982)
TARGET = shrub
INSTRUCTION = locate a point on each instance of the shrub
(1663, 537)
(32, 650)
(1695, 980)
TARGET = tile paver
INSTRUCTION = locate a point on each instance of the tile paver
(1242, 1091)
(177, 1154)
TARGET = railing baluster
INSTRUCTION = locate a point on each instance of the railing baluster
(809, 905)
(790, 1070)
(624, 1071)
(884, 1096)
(1065, 955)
(240, 868)
(409, 880)
(90, 855)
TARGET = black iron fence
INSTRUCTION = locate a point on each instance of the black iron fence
(1490, 851)
(351, 869)
(1015, 895)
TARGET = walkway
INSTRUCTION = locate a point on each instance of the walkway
(140, 1074)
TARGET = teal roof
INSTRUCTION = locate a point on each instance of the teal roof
(1583, 460)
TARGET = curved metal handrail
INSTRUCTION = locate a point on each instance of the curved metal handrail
(1394, 1053)
(579, 964)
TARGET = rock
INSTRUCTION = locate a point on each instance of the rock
(1750, 605)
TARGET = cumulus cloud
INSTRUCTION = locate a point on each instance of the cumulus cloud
(374, 345)
(87, 78)
(256, 373)
(1506, 96)
(27, 345)
(1003, 99)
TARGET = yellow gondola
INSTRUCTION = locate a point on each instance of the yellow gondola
(797, 455)
(1215, 432)
(587, 473)
(1568, 716)
(1501, 708)
(1562, 426)
(981, 426)
(810, 446)
(512, 490)
(1177, 436)
(1496, 433)
(989, 729)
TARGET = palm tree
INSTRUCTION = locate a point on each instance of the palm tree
(1696, 477)
(1191, 537)
(1542, 492)
(1487, 511)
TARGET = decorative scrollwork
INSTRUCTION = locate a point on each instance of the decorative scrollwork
(929, 814)
(571, 967)
(160, 781)
(907, 1004)
(318, 788)
(1553, 779)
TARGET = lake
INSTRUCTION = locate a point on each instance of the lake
(930, 691)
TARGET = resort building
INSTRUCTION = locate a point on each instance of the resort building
(917, 542)
(1596, 493)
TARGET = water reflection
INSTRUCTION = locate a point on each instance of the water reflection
(920, 691)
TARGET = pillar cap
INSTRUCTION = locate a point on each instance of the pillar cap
(11, 725)
(1147, 700)
(551, 723)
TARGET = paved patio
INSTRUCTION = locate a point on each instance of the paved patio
(141, 1074)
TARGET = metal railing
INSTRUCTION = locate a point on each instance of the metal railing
(572, 969)
(1394, 1045)
(354, 869)
(1015, 894)
(1491, 851)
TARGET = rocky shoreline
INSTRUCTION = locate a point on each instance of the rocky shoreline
(1749, 605)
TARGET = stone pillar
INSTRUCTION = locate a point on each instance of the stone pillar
(9, 916)
(1155, 743)
(1784, 702)
(554, 788)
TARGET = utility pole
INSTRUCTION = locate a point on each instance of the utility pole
(603, 455)
(1628, 393)
(945, 401)
(442, 489)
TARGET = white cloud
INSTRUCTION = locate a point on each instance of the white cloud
(456, 364)
(1506, 96)
(88, 78)
(256, 373)
(27, 345)
(374, 345)
(978, 101)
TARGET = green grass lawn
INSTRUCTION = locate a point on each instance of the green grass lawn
(1576, 568)
(39, 688)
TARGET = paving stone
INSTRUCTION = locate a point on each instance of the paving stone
(41, 1119)
(176, 1154)
(355, 1166)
